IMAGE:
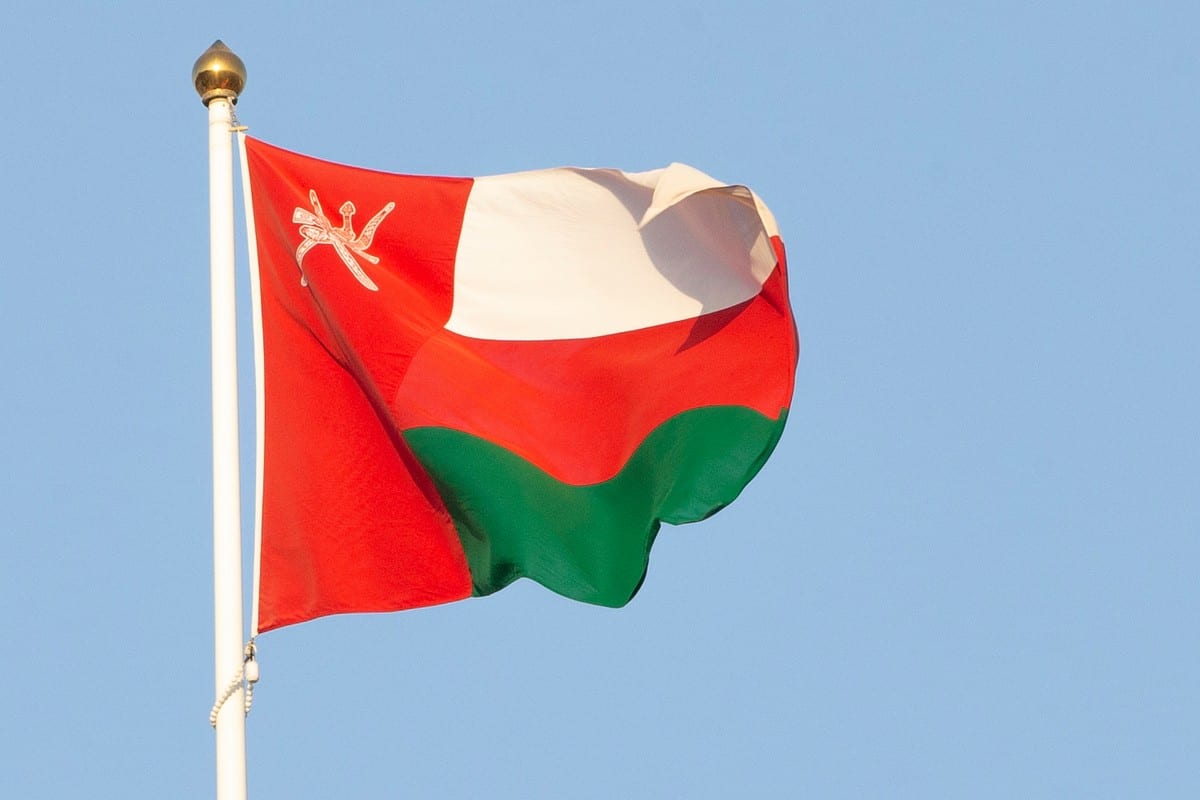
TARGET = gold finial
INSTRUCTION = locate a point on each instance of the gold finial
(218, 72)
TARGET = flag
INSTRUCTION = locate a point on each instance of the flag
(468, 381)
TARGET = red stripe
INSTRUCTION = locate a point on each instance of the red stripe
(350, 520)
(579, 408)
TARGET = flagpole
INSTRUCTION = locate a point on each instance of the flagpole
(219, 76)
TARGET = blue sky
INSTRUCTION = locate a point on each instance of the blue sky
(970, 569)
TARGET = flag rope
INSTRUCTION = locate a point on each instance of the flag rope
(235, 124)
(247, 674)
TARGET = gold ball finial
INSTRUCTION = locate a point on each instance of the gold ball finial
(218, 72)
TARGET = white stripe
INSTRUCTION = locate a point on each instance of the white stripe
(575, 253)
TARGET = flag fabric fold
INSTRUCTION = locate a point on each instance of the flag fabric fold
(469, 381)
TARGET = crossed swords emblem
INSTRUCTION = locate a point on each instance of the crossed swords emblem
(316, 229)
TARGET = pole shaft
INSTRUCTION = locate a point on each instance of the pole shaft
(227, 532)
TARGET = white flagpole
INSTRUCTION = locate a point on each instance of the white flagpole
(219, 77)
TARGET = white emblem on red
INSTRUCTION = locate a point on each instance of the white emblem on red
(316, 229)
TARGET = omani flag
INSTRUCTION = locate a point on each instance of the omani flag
(468, 381)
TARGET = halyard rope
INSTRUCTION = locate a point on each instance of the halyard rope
(235, 124)
(247, 674)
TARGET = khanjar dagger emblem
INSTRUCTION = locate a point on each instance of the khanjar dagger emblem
(316, 229)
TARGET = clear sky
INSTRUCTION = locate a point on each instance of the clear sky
(970, 569)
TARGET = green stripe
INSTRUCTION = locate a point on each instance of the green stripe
(591, 543)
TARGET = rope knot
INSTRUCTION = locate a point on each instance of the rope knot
(246, 677)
